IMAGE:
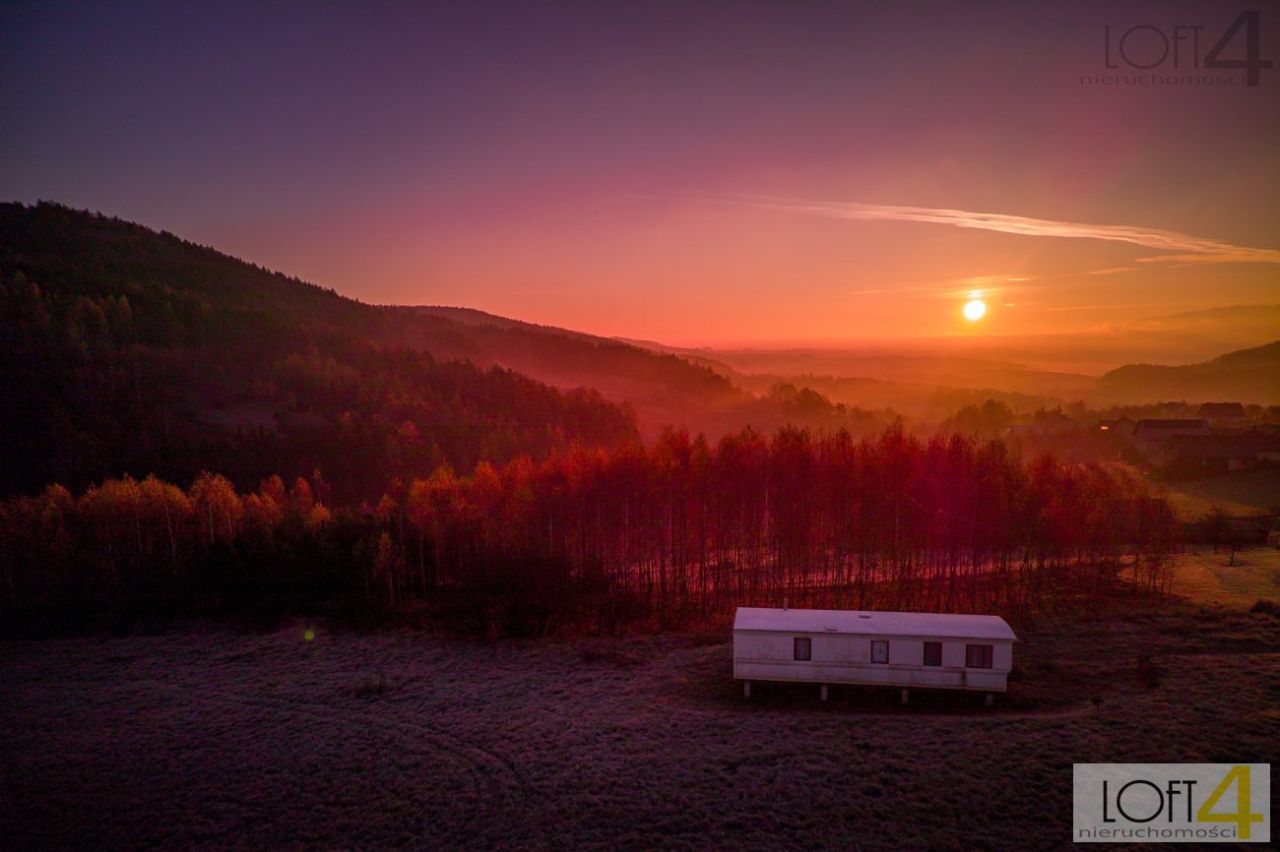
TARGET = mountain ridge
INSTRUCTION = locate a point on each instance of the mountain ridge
(130, 351)
(1246, 375)
(202, 356)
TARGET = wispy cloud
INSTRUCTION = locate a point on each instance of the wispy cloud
(974, 285)
(1186, 248)
(991, 280)
(1109, 305)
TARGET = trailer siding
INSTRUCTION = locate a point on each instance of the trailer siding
(845, 657)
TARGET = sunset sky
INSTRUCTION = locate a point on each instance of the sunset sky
(696, 173)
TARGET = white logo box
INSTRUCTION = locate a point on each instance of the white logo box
(1171, 803)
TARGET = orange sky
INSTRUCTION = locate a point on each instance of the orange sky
(690, 173)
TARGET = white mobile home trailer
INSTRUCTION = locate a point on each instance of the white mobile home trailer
(902, 649)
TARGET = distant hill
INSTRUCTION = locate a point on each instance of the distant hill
(127, 350)
(954, 371)
(130, 351)
(1247, 375)
(662, 389)
(933, 386)
(928, 387)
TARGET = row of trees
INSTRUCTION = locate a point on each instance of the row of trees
(677, 529)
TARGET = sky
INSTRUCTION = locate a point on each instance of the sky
(699, 173)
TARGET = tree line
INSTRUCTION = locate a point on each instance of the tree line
(678, 530)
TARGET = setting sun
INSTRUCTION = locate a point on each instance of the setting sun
(974, 310)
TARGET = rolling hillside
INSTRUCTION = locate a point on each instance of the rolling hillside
(1247, 375)
(134, 351)
(930, 387)
(663, 389)
(131, 351)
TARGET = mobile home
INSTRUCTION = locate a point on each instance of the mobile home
(901, 649)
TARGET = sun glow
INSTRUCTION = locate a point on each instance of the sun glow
(974, 310)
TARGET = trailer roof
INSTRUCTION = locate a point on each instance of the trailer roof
(950, 625)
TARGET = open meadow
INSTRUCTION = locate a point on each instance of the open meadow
(402, 739)
(1206, 577)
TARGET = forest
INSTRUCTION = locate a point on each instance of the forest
(187, 435)
(677, 532)
(131, 351)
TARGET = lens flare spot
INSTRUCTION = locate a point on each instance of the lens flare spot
(308, 635)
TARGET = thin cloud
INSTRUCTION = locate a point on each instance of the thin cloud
(977, 286)
(1187, 248)
(991, 280)
(985, 284)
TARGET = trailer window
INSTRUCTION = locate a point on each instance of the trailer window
(879, 651)
(803, 648)
(933, 653)
(977, 656)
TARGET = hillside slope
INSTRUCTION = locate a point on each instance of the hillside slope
(131, 351)
(663, 389)
(134, 351)
(1247, 375)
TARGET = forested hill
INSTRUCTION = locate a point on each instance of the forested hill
(130, 351)
(99, 256)
(1248, 375)
(136, 350)
(663, 389)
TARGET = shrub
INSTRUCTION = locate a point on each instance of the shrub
(1148, 673)
(1266, 607)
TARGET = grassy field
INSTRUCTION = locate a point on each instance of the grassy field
(213, 738)
(1209, 578)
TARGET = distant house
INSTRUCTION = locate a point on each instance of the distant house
(1149, 436)
(1122, 428)
(901, 649)
(1222, 412)
(1206, 453)
(1219, 452)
